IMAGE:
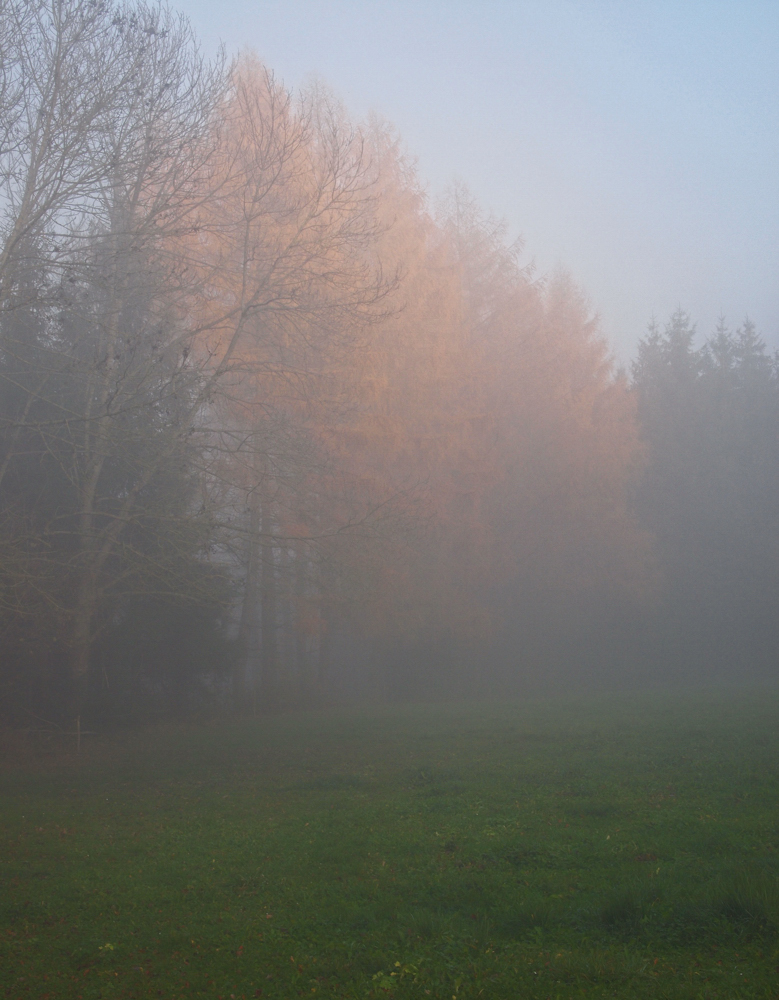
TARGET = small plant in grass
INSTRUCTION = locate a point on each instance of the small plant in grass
(387, 982)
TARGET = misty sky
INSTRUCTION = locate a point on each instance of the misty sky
(636, 144)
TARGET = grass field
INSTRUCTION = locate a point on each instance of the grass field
(622, 847)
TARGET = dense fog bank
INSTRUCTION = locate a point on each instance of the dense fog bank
(274, 431)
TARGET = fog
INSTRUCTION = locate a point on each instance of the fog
(413, 354)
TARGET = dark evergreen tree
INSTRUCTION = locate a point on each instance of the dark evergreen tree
(710, 494)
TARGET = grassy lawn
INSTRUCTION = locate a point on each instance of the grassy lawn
(620, 847)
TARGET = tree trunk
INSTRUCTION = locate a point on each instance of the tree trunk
(81, 640)
(245, 675)
(301, 634)
(325, 641)
(268, 638)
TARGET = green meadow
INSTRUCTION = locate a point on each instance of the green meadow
(611, 847)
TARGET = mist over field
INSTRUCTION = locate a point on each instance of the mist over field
(283, 423)
(389, 546)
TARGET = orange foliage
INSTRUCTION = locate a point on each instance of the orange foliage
(440, 434)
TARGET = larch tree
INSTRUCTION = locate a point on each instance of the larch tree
(289, 282)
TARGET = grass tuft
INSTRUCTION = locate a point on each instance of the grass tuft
(626, 908)
(748, 899)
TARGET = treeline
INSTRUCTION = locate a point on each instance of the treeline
(709, 495)
(272, 432)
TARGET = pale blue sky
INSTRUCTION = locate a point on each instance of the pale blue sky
(635, 143)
